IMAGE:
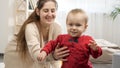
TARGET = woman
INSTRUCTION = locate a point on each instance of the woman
(38, 29)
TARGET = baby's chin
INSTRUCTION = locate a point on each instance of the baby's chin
(74, 35)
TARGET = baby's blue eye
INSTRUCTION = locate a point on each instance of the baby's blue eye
(70, 24)
(78, 25)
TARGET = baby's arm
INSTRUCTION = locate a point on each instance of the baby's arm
(47, 49)
(95, 50)
(41, 56)
(93, 45)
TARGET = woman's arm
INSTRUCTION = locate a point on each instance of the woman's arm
(32, 40)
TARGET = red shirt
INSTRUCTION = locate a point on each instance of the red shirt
(79, 50)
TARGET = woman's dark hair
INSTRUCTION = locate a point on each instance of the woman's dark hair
(40, 3)
(21, 41)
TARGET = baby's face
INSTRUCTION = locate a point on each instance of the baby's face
(76, 24)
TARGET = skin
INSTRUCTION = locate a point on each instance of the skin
(47, 13)
(61, 52)
(76, 25)
(47, 16)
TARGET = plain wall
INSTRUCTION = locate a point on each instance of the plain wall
(94, 6)
(6, 22)
(3, 24)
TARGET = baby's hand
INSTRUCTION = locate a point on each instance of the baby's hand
(93, 45)
(41, 56)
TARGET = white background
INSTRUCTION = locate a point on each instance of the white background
(100, 25)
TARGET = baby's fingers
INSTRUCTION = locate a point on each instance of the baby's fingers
(39, 58)
(92, 42)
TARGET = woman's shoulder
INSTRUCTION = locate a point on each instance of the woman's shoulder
(32, 24)
(31, 27)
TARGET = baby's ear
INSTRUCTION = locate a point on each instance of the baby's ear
(86, 26)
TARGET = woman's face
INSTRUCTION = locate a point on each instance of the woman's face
(48, 13)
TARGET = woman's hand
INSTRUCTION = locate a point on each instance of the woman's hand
(60, 53)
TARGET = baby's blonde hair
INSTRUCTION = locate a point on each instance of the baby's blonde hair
(75, 11)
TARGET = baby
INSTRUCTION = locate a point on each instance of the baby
(80, 46)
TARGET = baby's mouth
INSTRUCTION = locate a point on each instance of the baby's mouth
(73, 32)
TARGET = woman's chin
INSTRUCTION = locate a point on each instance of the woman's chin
(50, 22)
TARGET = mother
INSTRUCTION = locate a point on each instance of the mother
(38, 29)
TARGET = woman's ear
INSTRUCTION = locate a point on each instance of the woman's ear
(37, 11)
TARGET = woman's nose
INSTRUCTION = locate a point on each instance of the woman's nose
(49, 13)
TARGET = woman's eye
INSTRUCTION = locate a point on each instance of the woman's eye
(53, 10)
(45, 10)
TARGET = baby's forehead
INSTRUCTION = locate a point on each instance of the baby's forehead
(77, 16)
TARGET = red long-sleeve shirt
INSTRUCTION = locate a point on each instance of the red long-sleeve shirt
(79, 50)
